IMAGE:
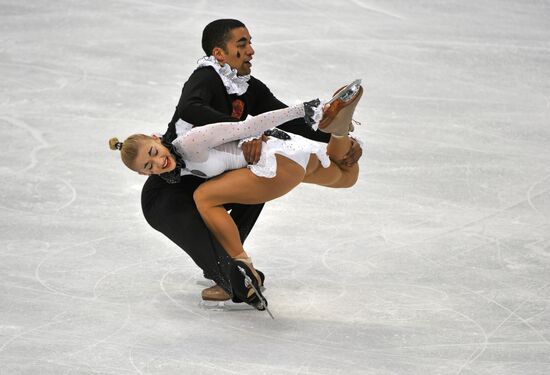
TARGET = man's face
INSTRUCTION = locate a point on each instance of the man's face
(238, 51)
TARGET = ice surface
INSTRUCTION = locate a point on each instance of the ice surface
(437, 262)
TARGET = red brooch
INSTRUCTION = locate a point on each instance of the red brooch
(238, 109)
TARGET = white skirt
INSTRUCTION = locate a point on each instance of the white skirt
(297, 148)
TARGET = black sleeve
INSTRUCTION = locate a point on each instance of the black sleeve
(204, 99)
(263, 100)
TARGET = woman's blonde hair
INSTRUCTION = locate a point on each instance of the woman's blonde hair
(129, 148)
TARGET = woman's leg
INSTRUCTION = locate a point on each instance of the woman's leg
(336, 175)
(241, 186)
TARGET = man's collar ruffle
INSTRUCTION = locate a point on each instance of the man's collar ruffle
(234, 84)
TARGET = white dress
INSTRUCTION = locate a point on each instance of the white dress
(212, 149)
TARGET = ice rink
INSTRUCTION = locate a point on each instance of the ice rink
(436, 262)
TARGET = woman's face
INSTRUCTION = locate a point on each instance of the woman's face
(153, 158)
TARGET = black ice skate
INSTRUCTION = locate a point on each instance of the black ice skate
(246, 286)
(219, 302)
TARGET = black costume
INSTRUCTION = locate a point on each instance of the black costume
(170, 209)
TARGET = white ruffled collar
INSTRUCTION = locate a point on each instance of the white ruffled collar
(234, 84)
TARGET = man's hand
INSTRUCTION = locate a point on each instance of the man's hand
(252, 150)
(353, 155)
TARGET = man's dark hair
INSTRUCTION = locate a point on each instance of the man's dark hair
(217, 33)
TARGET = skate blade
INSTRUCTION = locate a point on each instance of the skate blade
(347, 93)
(205, 283)
(262, 305)
(224, 306)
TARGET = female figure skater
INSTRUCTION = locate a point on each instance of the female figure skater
(286, 161)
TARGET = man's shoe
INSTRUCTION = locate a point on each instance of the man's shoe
(215, 293)
(337, 118)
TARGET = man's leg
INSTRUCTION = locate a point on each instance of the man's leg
(170, 209)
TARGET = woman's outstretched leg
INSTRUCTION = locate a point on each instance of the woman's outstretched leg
(336, 175)
(338, 122)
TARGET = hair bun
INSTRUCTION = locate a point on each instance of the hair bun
(114, 144)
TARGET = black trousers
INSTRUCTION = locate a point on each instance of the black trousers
(170, 209)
